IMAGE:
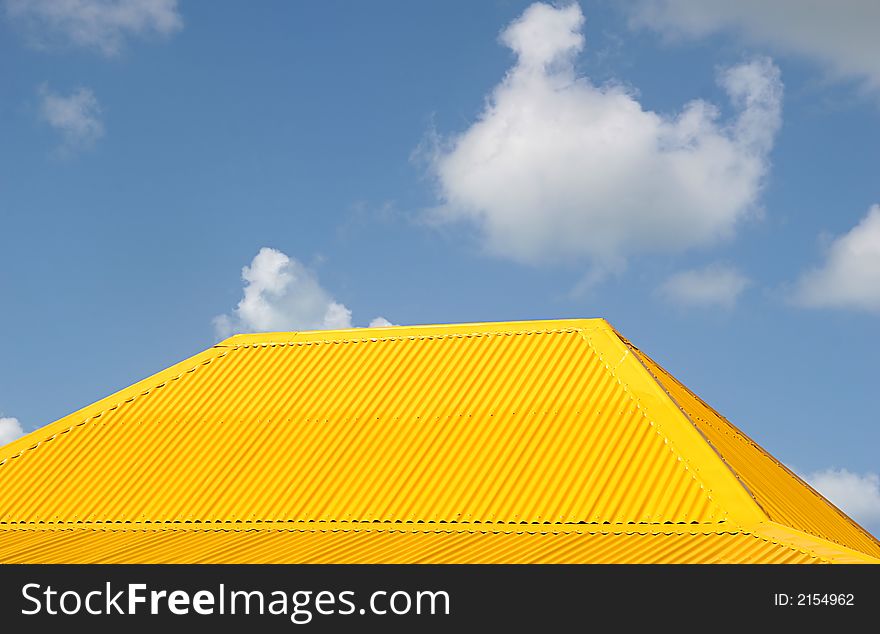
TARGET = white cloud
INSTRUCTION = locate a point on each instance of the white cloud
(10, 429)
(840, 35)
(280, 293)
(77, 117)
(380, 322)
(97, 24)
(558, 168)
(850, 276)
(857, 495)
(715, 285)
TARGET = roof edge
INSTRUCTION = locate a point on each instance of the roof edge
(80, 417)
(816, 546)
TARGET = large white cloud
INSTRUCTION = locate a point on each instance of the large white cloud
(10, 429)
(280, 293)
(556, 167)
(850, 275)
(716, 285)
(98, 24)
(858, 495)
(76, 116)
(840, 35)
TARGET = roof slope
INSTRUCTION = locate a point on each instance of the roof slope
(509, 442)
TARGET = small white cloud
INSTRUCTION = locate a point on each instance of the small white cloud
(839, 35)
(336, 316)
(857, 495)
(10, 429)
(380, 322)
(558, 168)
(102, 25)
(281, 294)
(715, 285)
(850, 276)
(77, 117)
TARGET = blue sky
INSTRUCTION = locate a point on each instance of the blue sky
(408, 161)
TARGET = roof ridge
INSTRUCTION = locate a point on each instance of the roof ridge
(666, 440)
(690, 420)
(422, 331)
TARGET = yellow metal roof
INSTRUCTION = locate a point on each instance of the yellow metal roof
(550, 441)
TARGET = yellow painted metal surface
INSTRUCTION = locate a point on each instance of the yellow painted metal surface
(526, 441)
(492, 427)
(543, 545)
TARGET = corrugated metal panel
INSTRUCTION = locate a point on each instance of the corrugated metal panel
(504, 426)
(390, 545)
(782, 495)
(517, 442)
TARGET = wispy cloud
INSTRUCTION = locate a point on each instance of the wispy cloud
(850, 276)
(10, 429)
(840, 35)
(716, 285)
(76, 117)
(102, 25)
(280, 293)
(556, 167)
